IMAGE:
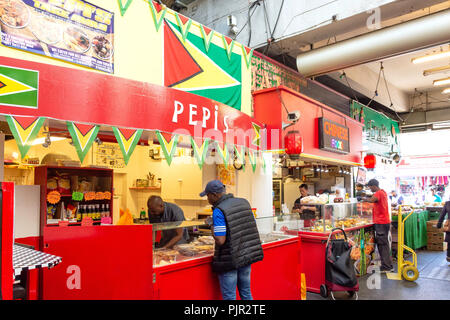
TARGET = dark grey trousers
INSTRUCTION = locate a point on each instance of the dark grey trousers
(382, 241)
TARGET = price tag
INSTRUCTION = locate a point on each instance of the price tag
(77, 196)
(87, 221)
(99, 196)
(53, 197)
(88, 196)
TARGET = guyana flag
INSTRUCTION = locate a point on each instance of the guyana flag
(19, 87)
(201, 67)
(83, 135)
(24, 130)
(127, 140)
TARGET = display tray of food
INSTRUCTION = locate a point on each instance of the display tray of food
(271, 237)
(200, 247)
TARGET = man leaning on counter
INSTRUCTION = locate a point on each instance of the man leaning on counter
(160, 211)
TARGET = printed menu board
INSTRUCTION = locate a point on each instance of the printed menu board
(70, 30)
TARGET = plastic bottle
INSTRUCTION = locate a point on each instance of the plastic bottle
(142, 214)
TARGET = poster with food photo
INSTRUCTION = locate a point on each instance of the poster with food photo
(71, 30)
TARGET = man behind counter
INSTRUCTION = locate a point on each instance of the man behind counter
(160, 211)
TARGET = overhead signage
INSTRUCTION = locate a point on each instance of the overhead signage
(333, 136)
(70, 30)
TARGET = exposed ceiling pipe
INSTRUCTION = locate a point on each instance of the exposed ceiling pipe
(427, 31)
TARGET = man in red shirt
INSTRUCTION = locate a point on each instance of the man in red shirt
(382, 223)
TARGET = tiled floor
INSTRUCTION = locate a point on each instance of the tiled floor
(433, 282)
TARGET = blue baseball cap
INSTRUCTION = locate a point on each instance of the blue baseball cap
(214, 186)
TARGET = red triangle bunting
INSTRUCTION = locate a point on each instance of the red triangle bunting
(25, 122)
(206, 29)
(84, 128)
(157, 6)
(183, 19)
(127, 133)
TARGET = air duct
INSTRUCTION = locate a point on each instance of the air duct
(420, 33)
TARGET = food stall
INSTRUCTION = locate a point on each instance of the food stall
(86, 149)
(187, 267)
(352, 217)
(320, 147)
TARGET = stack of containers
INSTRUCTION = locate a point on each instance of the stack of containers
(435, 237)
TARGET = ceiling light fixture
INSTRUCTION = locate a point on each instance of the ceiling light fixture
(431, 57)
(441, 82)
(443, 69)
(445, 91)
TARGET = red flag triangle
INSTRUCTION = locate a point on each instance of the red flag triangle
(157, 6)
(84, 128)
(25, 122)
(183, 19)
(206, 29)
(127, 133)
(178, 63)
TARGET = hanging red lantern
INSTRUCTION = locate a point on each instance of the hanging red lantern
(293, 144)
(370, 161)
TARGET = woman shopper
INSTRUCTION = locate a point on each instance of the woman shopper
(445, 211)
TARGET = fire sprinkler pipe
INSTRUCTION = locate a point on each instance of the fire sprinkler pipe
(420, 33)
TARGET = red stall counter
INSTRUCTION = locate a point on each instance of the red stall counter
(313, 256)
(98, 263)
(276, 277)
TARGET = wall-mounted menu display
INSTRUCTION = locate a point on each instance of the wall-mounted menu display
(70, 30)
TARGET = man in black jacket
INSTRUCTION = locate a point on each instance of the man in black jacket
(237, 241)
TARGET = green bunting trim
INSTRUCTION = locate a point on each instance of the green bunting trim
(207, 38)
(247, 56)
(168, 148)
(124, 8)
(224, 153)
(240, 156)
(24, 132)
(158, 17)
(228, 47)
(83, 136)
(200, 153)
(252, 158)
(184, 27)
(127, 145)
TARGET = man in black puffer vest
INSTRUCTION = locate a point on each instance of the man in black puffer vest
(237, 241)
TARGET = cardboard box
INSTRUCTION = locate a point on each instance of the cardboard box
(437, 247)
(435, 237)
(431, 226)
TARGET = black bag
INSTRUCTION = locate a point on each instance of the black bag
(339, 268)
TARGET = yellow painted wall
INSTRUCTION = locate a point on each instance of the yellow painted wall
(138, 53)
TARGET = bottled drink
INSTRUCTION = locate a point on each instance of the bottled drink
(97, 211)
(102, 211)
(107, 213)
(142, 214)
(78, 213)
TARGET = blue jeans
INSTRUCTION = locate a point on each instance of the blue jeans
(240, 278)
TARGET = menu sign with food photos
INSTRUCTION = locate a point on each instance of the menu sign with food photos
(70, 30)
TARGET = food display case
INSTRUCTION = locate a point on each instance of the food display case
(322, 218)
(188, 267)
(315, 224)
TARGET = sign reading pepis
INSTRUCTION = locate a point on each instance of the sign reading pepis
(333, 136)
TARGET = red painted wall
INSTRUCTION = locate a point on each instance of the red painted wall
(269, 109)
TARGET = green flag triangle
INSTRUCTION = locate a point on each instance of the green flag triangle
(83, 136)
(252, 156)
(206, 37)
(24, 130)
(168, 148)
(158, 12)
(240, 155)
(200, 153)
(224, 153)
(127, 140)
(124, 8)
(247, 55)
(184, 25)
